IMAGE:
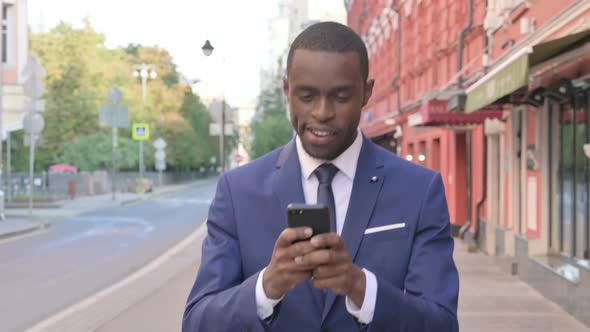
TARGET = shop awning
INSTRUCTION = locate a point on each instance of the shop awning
(548, 50)
(503, 80)
(434, 113)
(513, 73)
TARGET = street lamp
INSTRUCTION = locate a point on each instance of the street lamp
(143, 71)
(208, 50)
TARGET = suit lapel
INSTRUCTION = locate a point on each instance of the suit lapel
(287, 178)
(365, 191)
(288, 188)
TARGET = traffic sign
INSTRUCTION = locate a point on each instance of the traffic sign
(141, 131)
(215, 129)
(160, 144)
(114, 116)
(33, 123)
(115, 95)
(34, 72)
(160, 155)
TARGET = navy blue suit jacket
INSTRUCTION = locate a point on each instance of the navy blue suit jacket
(417, 279)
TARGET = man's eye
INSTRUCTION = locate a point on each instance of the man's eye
(342, 98)
(306, 97)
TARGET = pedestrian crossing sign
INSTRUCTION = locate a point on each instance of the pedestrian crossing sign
(141, 131)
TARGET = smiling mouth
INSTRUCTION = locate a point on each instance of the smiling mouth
(321, 133)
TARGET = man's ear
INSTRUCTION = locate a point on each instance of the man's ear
(368, 91)
(286, 87)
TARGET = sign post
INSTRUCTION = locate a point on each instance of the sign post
(160, 157)
(114, 116)
(33, 122)
(141, 132)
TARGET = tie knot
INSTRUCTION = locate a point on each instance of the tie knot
(325, 173)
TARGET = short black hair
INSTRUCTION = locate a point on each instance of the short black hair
(331, 37)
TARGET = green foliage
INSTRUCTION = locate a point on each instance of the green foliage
(80, 69)
(93, 152)
(80, 72)
(197, 116)
(270, 133)
(271, 129)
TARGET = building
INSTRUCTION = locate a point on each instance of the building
(14, 58)
(422, 55)
(243, 121)
(293, 17)
(493, 94)
(538, 216)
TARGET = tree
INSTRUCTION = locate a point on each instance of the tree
(271, 128)
(195, 112)
(81, 70)
(76, 153)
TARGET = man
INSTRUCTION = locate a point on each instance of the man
(387, 266)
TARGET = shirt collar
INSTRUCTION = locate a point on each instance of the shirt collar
(346, 161)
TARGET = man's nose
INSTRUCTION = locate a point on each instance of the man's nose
(323, 110)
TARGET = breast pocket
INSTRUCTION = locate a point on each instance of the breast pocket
(386, 232)
(385, 249)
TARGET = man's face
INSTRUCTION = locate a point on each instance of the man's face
(326, 93)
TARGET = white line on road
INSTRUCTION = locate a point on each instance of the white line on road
(54, 321)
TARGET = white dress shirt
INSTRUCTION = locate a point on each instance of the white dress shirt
(342, 189)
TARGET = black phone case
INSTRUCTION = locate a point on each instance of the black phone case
(315, 216)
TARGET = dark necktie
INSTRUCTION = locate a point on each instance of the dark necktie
(325, 173)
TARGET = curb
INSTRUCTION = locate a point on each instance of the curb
(24, 231)
(12, 205)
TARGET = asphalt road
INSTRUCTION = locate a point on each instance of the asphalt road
(78, 256)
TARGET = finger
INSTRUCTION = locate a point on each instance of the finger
(337, 284)
(324, 256)
(295, 278)
(296, 265)
(327, 240)
(300, 248)
(329, 271)
(290, 235)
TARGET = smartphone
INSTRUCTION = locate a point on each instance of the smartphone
(316, 216)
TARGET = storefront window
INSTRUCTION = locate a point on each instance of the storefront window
(574, 178)
(566, 178)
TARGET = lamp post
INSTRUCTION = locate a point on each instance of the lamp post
(208, 50)
(143, 71)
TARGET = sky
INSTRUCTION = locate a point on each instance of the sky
(237, 31)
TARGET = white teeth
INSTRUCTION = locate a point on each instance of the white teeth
(321, 133)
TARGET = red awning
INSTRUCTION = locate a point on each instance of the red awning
(434, 113)
(378, 130)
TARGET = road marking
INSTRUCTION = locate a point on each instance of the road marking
(53, 321)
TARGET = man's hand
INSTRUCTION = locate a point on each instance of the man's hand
(283, 274)
(333, 268)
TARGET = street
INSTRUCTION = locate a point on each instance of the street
(77, 256)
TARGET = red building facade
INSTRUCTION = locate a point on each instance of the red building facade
(494, 95)
(414, 49)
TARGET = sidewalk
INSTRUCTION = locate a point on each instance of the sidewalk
(20, 221)
(490, 300)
